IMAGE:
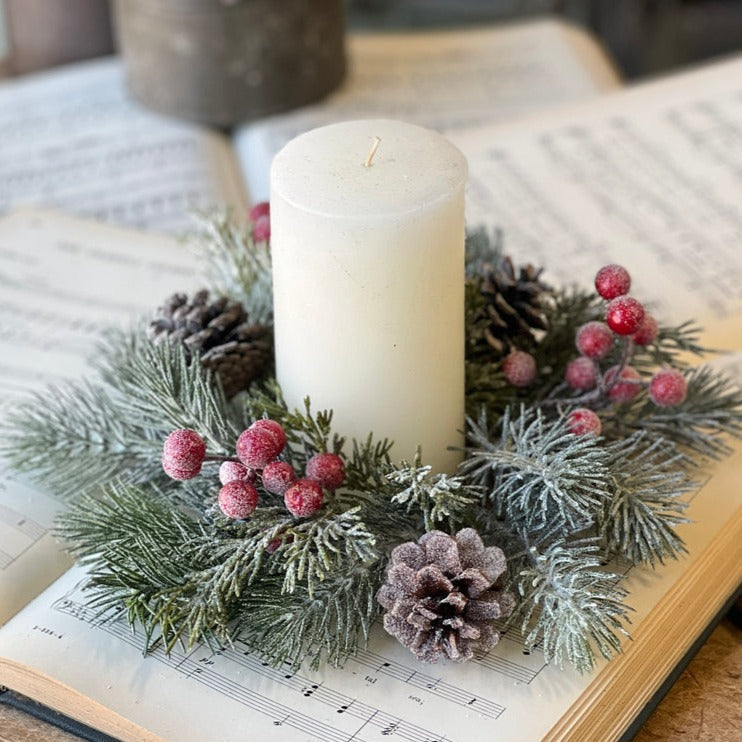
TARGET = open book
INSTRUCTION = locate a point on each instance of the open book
(73, 140)
(647, 177)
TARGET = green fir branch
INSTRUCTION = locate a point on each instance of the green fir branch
(325, 627)
(440, 499)
(570, 607)
(235, 265)
(75, 436)
(649, 481)
(538, 475)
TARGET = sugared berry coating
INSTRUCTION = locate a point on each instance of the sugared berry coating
(278, 476)
(626, 387)
(327, 469)
(594, 339)
(274, 428)
(624, 315)
(303, 498)
(647, 331)
(261, 229)
(668, 388)
(233, 471)
(612, 281)
(519, 368)
(581, 374)
(184, 449)
(257, 447)
(175, 472)
(583, 421)
(262, 208)
(238, 499)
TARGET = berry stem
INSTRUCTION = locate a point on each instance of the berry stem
(218, 457)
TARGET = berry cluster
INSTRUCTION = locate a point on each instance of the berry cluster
(626, 325)
(257, 463)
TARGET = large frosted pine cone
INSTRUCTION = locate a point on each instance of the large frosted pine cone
(443, 594)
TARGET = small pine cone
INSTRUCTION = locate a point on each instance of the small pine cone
(443, 593)
(219, 331)
(514, 309)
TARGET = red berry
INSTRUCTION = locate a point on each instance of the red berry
(668, 388)
(232, 471)
(262, 208)
(303, 498)
(278, 476)
(519, 368)
(612, 281)
(238, 499)
(624, 315)
(184, 449)
(647, 331)
(583, 421)
(274, 428)
(581, 373)
(257, 447)
(261, 229)
(594, 339)
(626, 387)
(327, 469)
(175, 472)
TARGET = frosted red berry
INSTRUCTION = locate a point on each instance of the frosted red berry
(262, 208)
(231, 471)
(274, 429)
(175, 472)
(184, 449)
(624, 315)
(278, 476)
(257, 447)
(261, 229)
(238, 499)
(581, 373)
(519, 368)
(668, 388)
(327, 469)
(594, 339)
(647, 331)
(625, 387)
(583, 421)
(612, 281)
(303, 498)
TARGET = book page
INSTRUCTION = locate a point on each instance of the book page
(443, 80)
(73, 139)
(63, 280)
(649, 178)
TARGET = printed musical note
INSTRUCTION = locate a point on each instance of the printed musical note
(18, 533)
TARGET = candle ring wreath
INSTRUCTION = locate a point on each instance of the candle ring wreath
(206, 508)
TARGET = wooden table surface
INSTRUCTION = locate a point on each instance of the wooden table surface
(704, 705)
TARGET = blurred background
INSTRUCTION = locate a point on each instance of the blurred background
(643, 36)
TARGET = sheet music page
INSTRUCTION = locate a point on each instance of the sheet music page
(62, 280)
(443, 80)
(649, 177)
(72, 139)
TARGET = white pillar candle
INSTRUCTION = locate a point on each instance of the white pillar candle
(368, 278)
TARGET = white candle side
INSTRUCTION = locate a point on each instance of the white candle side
(368, 266)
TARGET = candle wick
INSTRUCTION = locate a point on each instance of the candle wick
(371, 154)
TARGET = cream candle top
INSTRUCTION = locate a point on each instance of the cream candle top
(323, 171)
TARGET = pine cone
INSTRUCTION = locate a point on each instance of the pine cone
(219, 332)
(443, 593)
(513, 308)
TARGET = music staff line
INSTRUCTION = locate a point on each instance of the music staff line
(203, 671)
